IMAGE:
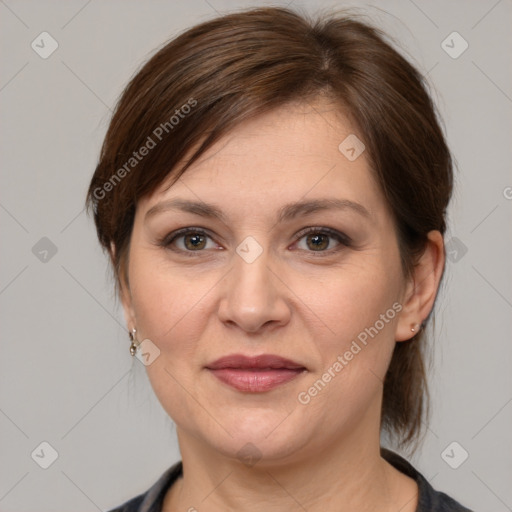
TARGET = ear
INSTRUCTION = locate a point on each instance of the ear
(421, 289)
(124, 292)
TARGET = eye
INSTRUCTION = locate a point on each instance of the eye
(188, 240)
(320, 239)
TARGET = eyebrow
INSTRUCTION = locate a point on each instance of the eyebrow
(286, 213)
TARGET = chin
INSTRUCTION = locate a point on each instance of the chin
(265, 437)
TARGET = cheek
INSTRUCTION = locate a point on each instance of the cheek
(351, 299)
(166, 301)
(170, 311)
(355, 339)
(354, 343)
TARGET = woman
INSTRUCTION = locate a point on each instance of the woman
(272, 194)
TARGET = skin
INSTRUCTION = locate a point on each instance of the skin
(295, 300)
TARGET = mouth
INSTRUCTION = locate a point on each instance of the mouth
(255, 374)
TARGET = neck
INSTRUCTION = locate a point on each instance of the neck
(350, 476)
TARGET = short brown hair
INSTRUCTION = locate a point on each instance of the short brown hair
(246, 63)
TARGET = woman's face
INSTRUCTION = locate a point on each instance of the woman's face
(249, 280)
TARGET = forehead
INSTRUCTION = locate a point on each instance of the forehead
(278, 157)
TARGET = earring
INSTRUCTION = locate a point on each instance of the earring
(133, 346)
(418, 326)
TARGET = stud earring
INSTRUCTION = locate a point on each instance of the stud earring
(134, 345)
(418, 327)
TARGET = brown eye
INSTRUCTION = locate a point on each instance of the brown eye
(188, 240)
(317, 242)
(194, 241)
(320, 240)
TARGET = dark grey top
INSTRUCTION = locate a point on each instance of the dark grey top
(429, 500)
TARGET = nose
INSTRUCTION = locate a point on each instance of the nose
(254, 297)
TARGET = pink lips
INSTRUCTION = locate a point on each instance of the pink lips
(255, 374)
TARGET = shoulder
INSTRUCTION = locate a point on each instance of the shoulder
(429, 500)
(132, 505)
(152, 499)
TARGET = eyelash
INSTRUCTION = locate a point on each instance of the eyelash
(341, 238)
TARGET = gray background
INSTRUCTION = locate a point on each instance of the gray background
(66, 375)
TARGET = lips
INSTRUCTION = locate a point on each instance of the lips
(255, 374)
(263, 362)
